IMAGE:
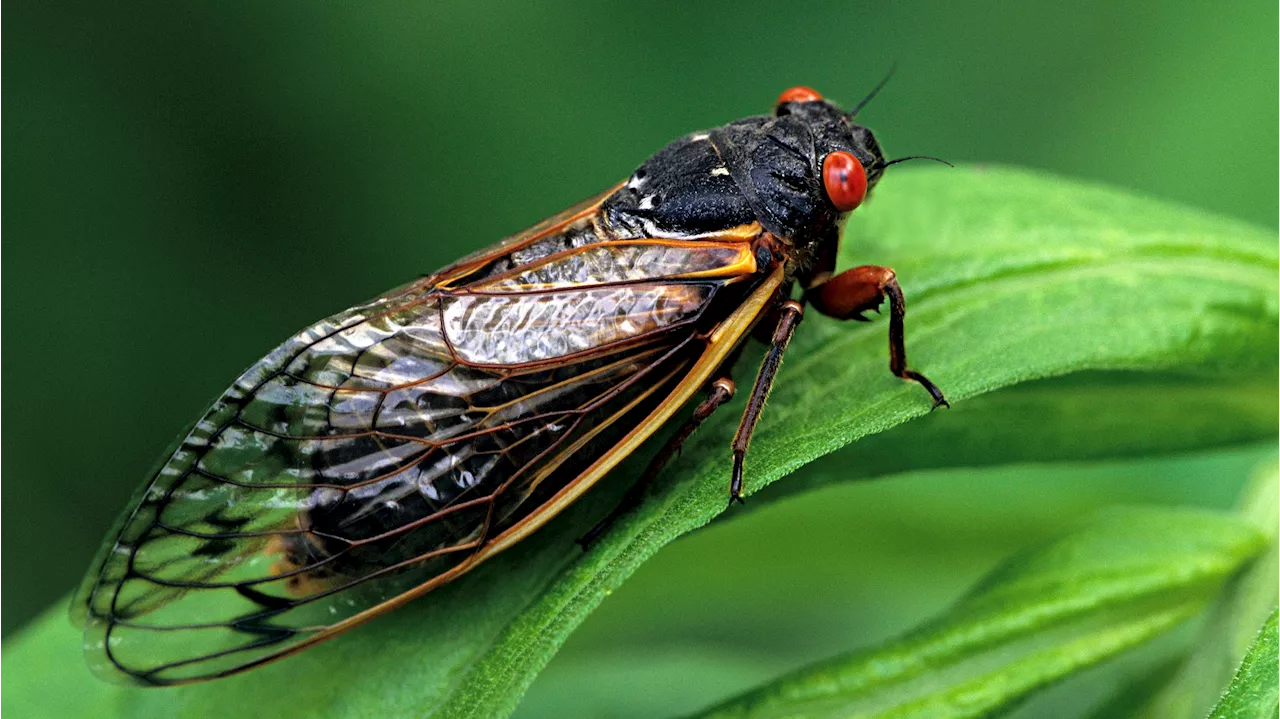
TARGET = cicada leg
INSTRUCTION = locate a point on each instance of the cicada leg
(852, 292)
(789, 316)
(721, 392)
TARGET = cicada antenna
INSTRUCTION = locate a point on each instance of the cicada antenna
(874, 91)
(913, 157)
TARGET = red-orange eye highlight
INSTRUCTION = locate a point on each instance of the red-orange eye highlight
(845, 180)
(799, 93)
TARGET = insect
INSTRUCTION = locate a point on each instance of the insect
(390, 448)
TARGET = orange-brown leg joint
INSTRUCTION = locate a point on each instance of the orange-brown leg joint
(852, 292)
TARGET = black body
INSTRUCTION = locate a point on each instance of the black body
(766, 169)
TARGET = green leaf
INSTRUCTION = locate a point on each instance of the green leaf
(854, 565)
(1254, 692)
(1191, 689)
(1010, 277)
(1109, 586)
(1191, 412)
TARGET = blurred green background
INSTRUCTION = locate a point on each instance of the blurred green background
(190, 183)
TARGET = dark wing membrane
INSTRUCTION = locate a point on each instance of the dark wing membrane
(375, 453)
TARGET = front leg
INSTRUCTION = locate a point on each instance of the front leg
(852, 292)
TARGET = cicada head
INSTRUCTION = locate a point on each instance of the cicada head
(806, 168)
(812, 165)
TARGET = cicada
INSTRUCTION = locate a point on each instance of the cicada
(392, 447)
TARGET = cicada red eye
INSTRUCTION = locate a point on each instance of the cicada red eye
(844, 179)
(799, 93)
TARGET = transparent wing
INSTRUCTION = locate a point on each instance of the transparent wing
(371, 456)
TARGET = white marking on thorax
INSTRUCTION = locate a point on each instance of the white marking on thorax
(699, 137)
(720, 171)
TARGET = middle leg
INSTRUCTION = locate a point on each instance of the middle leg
(790, 314)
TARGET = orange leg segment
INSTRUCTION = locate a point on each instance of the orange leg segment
(852, 292)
